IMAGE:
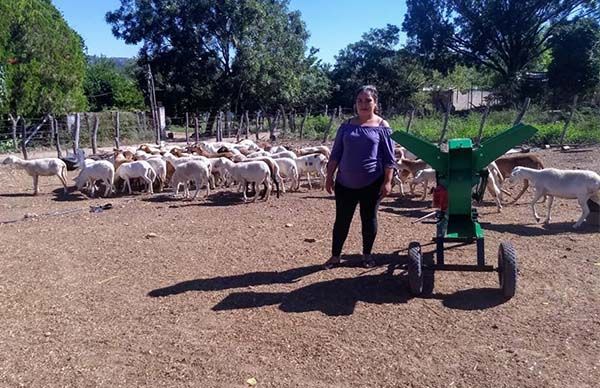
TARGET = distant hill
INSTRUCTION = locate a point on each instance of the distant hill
(120, 62)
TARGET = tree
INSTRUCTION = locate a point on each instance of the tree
(108, 87)
(375, 60)
(506, 36)
(575, 65)
(217, 54)
(45, 61)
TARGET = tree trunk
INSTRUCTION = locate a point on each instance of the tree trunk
(519, 117)
(410, 120)
(445, 126)
(247, 125)
(15, 122)
(564, 131)
(284, 118)
(482, 124)
(239, 129)
(210, 123)
(52, 130)
(257, 125)
(197, 128)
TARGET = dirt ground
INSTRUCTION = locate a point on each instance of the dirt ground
(163, 293)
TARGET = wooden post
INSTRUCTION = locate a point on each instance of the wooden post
(24, 138)
(306, 113)
(139, 124)
(117, 130)
(15, 122)
(76, 130)
(239, 129)
(220, 126)
(187, 128)
(410, 119)
(144, 121)
(52, 130)
(445, 126)
(86, 116)
(482, 124)
(197, 128)
(519, 117)
(95, 134)
(329, 126)
(284, 118)
(564, 131)
(247, 125)
(326, 109)
(57, 138)
(257, 125)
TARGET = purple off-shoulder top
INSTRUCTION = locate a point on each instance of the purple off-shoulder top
(362, 154)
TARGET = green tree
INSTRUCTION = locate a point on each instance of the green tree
(375, 60)
(46, 63)
(575, 65)
(506, 36)
(217, 54)
(108, 87)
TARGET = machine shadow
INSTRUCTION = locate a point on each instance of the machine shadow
(540, 229)
(472, 299)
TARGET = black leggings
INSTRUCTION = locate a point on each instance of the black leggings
(346, 200)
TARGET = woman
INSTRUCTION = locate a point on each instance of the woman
(363, 156)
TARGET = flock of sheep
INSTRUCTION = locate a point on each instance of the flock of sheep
(211, 164)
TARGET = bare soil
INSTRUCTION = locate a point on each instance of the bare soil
(160, 292)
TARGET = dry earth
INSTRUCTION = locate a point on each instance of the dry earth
(157, 292)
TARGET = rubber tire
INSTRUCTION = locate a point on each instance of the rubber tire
(415, 268)
(507, 269)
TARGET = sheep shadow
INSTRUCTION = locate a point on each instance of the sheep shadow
(17, 195)
(71, 196)
(540, 229)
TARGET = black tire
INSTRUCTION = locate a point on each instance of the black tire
(415, 268)
(507, 269)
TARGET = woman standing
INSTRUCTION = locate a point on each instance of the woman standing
(363, 156)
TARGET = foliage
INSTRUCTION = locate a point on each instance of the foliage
(575, 66)
(108, 87)
(45, 60)
(506, 37)
(374, 60)
(240, 55)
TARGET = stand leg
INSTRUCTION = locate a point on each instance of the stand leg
(480, 252)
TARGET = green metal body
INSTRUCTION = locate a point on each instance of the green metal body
(459, 170)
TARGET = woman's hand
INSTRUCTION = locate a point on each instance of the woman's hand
(329, 184)
(386, 189)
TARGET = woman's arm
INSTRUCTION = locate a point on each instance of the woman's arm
(329, 183)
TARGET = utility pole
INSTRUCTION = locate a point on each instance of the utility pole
(153, 106)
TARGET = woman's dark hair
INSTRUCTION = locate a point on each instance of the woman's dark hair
(372, 90)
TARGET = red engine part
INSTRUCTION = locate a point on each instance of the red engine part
(440, 198)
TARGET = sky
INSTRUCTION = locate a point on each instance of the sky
(333, 24)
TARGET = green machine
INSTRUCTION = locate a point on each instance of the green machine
(462, 176)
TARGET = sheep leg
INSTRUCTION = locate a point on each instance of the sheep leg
(63, 178)
(537, 195)
(149, 181)
(108, 187)
(35, 184)
(128, 186)
(308, 179)
(256, 188)
(425, 184)
(268, 188)
(208, 188)
(322, 175)
(585, 210)
(245, 188)
(550, 201)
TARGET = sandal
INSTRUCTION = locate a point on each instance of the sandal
(332, 262)
(368, 261)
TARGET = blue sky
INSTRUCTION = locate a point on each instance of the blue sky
(333, 24)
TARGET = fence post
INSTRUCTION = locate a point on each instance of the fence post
(410, 120)
(564, 131)
(482, 124)
(306, 113)
(52, 130)
(445, 126)
(117, 130)
(197, 128)
(95, 134)
(187, 128)
(15, 122)
(57, 138)
(76, 130)
(24, 138)
(238, 133)
(257, 125)
(329, 126)
(247, 125)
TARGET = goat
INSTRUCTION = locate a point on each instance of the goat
(311, 163)
(40, 167)
(412, 166)
(580, 184)
(423, 177)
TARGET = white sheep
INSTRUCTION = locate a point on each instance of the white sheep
(160, 170)
(580, 184)
(423, 177)
(93, 171)
(40, 167)
(288, 169)
(256, 172)
(138, 169)
(284, 154)
(311, 163)
(258, 154)
(193, 170)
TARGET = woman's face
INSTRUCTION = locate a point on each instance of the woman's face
(365, 104)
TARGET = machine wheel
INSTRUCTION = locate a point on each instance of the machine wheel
(507, 269)
(415, 268)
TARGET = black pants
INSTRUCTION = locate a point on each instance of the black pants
(346, 200)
